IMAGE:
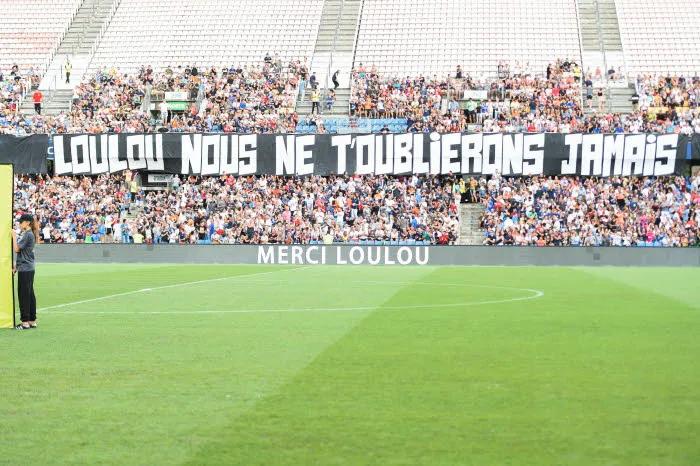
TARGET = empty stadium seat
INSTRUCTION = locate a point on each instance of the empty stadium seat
(31, 30)
(205, 33)
(652, 48)
(405, 37)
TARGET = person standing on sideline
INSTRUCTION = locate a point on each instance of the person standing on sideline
(24, 247)
(335, 79)
(68, 67)
(38, 96)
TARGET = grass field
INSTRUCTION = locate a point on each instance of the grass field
(208, 365)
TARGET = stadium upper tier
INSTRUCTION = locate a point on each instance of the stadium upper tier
(399, 37)
(261, 100)
(205, 33)
(31, 30)
(406, 37)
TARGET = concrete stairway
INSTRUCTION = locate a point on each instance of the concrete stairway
(610, 29)
(590, 37)
(77, 46)
(334, 51)
(598, 37)
(617, 100)
(602, 48)
(340, 109)
(133, 210)
(469, 216)
(620, 99)
(609, 26)
(55, 100)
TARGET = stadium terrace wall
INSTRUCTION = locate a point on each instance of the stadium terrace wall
(369, 255)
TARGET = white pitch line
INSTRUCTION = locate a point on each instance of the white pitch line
(385, 282)
(176, 285)
(536, 294)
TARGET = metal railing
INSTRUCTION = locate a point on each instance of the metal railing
(326, 86)
(146, 103)
(100, 35)
(54, 50)
(606, 83)
(201, 94)
(51, 88)
(335, 37)
(584, 76)
(326, 90)
(357, 36)
(354, 49)
(26, 85)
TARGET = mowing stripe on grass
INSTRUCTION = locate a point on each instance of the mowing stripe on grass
(176, 285)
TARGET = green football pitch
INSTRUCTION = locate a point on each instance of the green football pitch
(207, 365)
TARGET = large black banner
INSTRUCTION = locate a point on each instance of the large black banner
(26, 153)
(695, 147)
(422, 153)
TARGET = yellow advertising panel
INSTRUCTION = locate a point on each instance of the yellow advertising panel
(7, 302)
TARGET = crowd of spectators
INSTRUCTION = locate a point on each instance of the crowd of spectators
(519, 101)
(570, 211)
(258, 99)
(261, 98)
(14, 87)
(562, 99)
(668, 104)
(269, 210)
(109, 102)
(550, 102)
(243, 210)
(418, 100)
(539, 211)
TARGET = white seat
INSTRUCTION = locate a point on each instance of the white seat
(30, 43)
(402, 37)
(675, 51)
(205, 33)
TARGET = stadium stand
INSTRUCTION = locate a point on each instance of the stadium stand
(568, 211)
(673, 100)
(676, 51)
(407, 38)
(542, 211)
(491, 66)
(162, 33)
(546, 102)
(31, 31)
(13, 89)
(234, 210)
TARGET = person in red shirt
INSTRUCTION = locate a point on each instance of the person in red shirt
(38, 96)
